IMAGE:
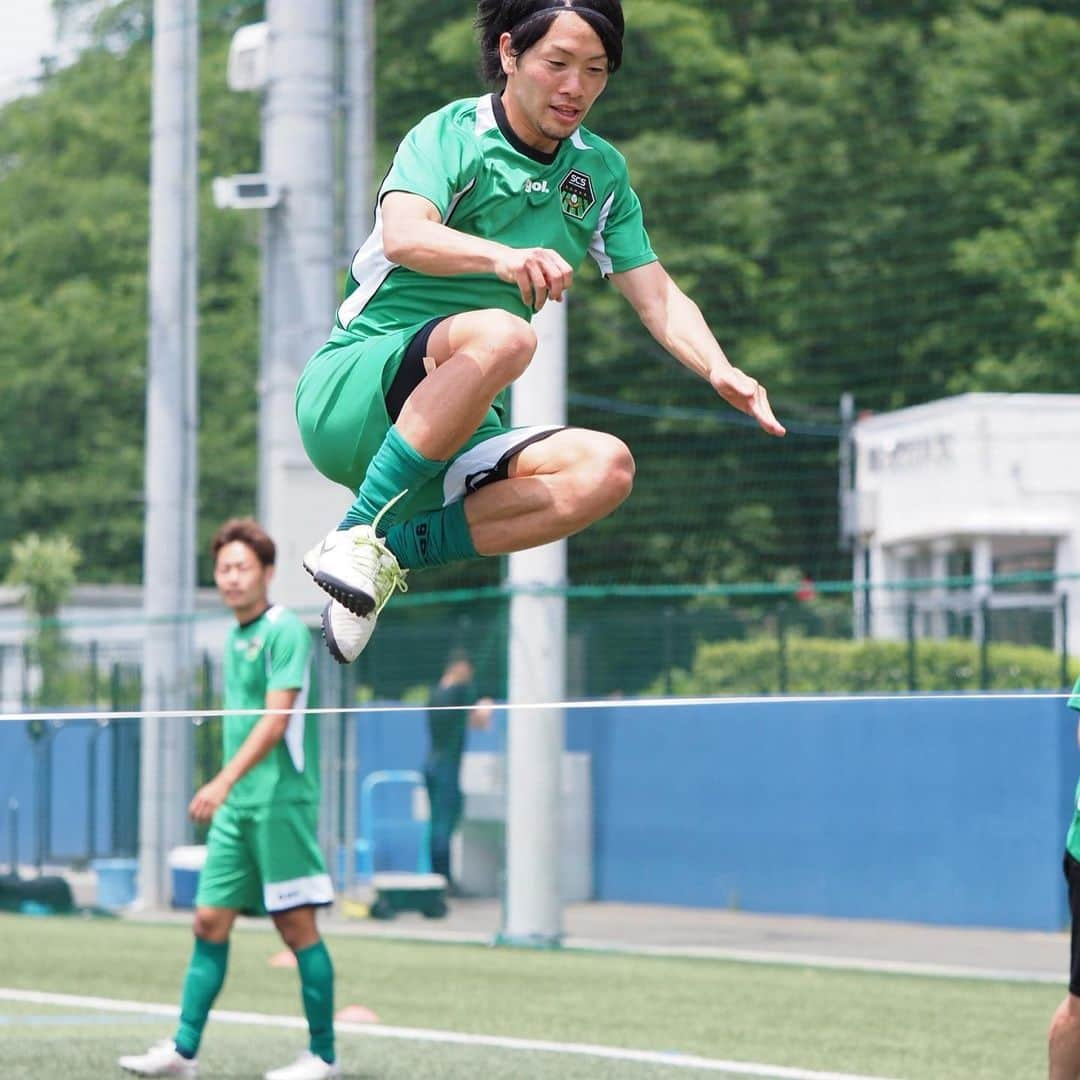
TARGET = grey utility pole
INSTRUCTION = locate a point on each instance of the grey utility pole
(171, 430)
(358, 18)
(533, 911)
(298, 295)
(358, 69)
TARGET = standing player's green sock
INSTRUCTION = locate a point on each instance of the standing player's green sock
(395, 468)
(204, 979)
(317, 991)
(433, 539)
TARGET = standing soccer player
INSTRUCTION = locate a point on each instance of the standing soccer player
(446, 748)
(262, 852)
(490, 206)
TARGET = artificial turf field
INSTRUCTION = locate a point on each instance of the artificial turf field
(760, 1019)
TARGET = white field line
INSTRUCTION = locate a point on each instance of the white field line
(609, 1053)
(836, 963)
(832, 962)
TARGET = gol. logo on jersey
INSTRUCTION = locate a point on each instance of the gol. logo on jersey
(576, 193)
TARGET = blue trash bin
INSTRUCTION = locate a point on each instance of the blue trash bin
(116, 882)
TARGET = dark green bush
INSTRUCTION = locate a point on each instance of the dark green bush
(825, 666)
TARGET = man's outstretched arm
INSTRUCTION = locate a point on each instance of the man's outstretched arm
(677, 323)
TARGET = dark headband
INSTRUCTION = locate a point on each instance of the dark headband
(560, 5)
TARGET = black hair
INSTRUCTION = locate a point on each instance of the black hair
(527, 21)
(247, 531)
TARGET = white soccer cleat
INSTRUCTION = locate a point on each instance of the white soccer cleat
(160, 1060)
(346, 635)
(356, 567)
(307, 1066)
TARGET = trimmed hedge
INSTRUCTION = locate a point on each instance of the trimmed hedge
(825, 665)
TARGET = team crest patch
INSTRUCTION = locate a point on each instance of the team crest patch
(251, 648)
(576, 193)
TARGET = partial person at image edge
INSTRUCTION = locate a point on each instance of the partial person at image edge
(1064, 1042)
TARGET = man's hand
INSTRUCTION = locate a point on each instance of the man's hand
(208, 798)
(480, 717)
(539, 273)
(747, 395)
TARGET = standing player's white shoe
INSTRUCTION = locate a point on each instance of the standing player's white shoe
(307, 1066)
(345, 634)
(160, 1060)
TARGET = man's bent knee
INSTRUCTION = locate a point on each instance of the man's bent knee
(508, 340)
(611, 469)
(513, 342)
(620, 469)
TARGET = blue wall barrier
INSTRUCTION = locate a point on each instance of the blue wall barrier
(916, 810)
(939, 811)
(932, 811)
(65, 751)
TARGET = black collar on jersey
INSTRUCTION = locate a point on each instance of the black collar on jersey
(253, 621)
(512, 138)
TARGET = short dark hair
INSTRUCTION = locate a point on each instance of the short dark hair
(527, 21)
(247, 531)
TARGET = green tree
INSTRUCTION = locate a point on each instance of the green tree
(44, 568)
(861, 196)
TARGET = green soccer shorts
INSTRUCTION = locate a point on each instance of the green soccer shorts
(343, 416)
(264, 859)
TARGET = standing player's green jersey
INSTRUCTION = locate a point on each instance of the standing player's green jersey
(1072, 840)
(467, 161)
(273, 652)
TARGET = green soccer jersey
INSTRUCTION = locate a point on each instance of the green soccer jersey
(272, 653)
(468, 162)
(1072, 840)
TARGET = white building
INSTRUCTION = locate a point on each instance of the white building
(106, 624)
(975, 487)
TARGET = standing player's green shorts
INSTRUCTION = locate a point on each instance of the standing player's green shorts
(350, 393)
(264, 859)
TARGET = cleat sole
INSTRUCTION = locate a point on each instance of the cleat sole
(357, 602)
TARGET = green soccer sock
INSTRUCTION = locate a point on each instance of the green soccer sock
(203, 982)
(396, 467)
(433, 539)
(317, 990)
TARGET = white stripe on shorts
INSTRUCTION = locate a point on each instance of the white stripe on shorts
(300, 892)
(469, 471)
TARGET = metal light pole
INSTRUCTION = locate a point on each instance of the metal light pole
(171, 432)
(533, 907)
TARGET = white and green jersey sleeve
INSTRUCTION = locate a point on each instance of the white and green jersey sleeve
(274, 652)
(483, 180)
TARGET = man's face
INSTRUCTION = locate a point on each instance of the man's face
(241, 579)
(552, 85)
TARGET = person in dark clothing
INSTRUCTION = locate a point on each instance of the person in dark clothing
(455, 706)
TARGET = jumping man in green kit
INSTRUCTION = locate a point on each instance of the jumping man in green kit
(490, 206)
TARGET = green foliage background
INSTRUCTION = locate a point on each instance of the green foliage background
(804, 665)
(861, 196)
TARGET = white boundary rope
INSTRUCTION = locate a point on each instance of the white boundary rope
(547, 706)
